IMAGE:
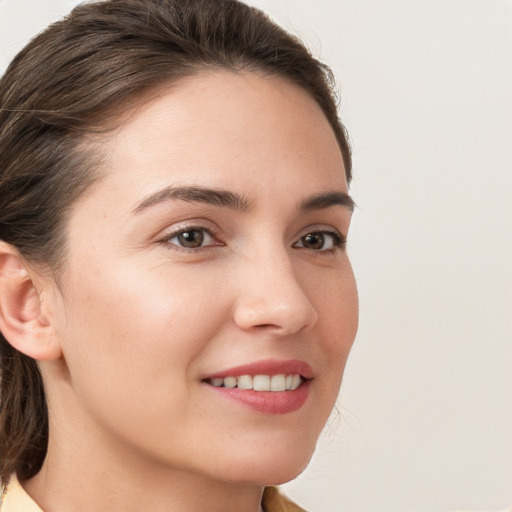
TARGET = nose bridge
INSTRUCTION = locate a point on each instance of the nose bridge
(270, 294)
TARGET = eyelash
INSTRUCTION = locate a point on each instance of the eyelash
(338, 241)
(167, 238)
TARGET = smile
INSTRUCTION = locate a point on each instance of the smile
(280, 382)
(271, 387)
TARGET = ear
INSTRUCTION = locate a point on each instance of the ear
(22, 320)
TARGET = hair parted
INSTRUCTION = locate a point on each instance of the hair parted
(72, 80)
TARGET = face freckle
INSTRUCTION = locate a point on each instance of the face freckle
(149, 322)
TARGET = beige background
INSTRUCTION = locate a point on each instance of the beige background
(425, 414)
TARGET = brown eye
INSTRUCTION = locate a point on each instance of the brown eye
(191, 239)
(320, 241)
(313, 241)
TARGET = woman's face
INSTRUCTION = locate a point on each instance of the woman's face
(213, 248)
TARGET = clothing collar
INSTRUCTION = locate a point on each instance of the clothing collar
(15, 499)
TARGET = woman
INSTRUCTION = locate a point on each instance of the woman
(176, 301)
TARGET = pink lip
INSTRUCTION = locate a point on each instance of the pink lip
(267, 367)
(267, 402)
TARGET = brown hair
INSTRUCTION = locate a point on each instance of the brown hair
(69, 81)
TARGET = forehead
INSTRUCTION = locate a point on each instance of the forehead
(223, 128)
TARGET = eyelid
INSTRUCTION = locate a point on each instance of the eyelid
(339, 240)
(191, 225)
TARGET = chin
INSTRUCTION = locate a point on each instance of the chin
(272, 467)
(284, 475)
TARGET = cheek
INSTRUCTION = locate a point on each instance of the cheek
(132, 345)
(338, 313)
(336, 301)
(136, 325)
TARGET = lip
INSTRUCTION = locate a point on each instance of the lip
(267, 367)
(266, 402)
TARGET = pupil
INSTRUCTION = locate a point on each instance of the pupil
(313, 240)
(191, 239)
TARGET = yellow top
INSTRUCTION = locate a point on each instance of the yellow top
(15, 499)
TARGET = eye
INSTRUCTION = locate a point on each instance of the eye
(191, 238)
(321, 241)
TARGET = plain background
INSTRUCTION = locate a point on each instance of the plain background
(424, 421)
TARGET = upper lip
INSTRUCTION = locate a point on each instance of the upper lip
(267, 367)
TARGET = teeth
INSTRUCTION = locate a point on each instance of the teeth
(261, 383)
(279, 382)
(295, 382)
(244, 382)
(230, 382)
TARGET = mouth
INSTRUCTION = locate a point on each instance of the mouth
(268, 387)
(274, 383)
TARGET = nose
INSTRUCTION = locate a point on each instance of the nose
(272, 298)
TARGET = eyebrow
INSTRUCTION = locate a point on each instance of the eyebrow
(326, 200)
(233, 201)
(196, 194)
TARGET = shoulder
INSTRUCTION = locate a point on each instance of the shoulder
(274, 501)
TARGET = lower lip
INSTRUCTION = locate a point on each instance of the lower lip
(267, 402)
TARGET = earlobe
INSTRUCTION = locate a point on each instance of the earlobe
(22, 322)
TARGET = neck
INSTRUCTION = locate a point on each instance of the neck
(57, 487)
(82, 473)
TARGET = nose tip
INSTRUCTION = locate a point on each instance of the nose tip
(276, 303)
(283, 321)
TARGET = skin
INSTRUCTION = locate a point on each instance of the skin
(137, 321)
